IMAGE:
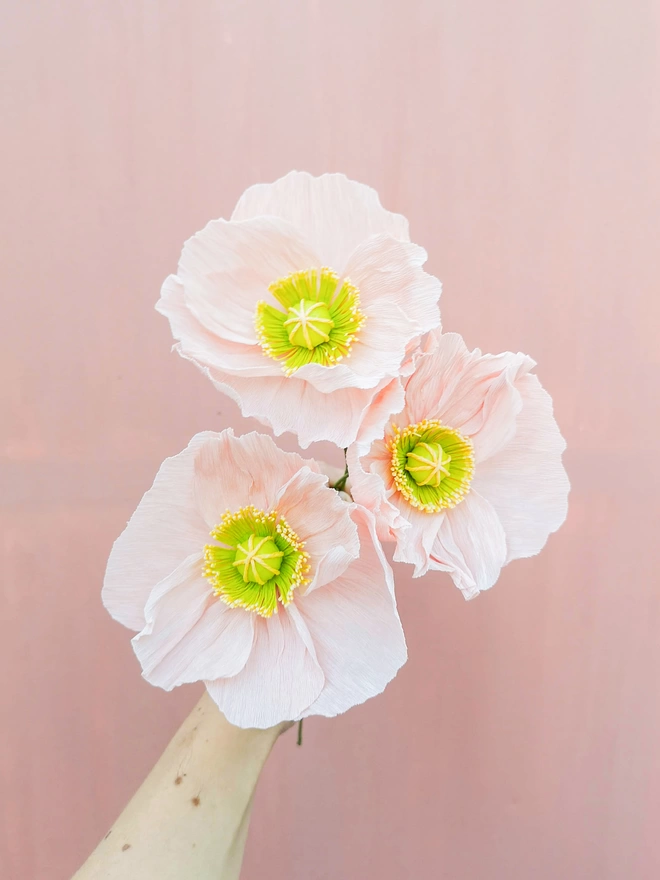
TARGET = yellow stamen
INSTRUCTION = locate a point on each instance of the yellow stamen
(316, 319)
(431, 464)
(257, 561)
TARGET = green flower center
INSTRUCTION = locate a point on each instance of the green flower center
(317, 323)
(258, 559)
(256, 562)
(428, 464)
(309, 324)
(432, 465)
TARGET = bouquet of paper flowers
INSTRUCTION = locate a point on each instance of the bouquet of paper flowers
(262, 573)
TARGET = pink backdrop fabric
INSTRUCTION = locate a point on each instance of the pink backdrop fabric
(522, 141)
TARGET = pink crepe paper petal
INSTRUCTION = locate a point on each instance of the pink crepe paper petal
(357, 633)
(279, 681)
(322, 520)
(526, 482)
(519, 490)
(333, 213)
(233, 472)
(190, 634)
(226, 268)
(165, 529)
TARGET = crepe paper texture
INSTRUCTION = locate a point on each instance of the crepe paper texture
(469, 475)
(250, 569)
(304, 305)
(198, 572)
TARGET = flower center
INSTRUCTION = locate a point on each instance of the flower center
(318, 321)
(309, 324)
(428, 464)
(432, 465)
(258, 561)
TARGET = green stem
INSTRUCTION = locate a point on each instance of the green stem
(341, 482)
(299, 741)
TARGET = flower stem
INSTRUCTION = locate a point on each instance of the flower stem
(299, 741)
(341, 482)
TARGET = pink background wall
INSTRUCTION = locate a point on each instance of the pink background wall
(522, 140)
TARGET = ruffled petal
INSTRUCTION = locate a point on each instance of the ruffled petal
(526, 482)
(414, 545)
(355, 627)
(378, 352)
(462, 401)
(206, 350)
(519, 491)
(333, 213)
(280, 680)
(437, 369)
(389, 400)
(322, 520)
(501, 405)
(165, 529)
(386, 270)
(400, 303)
(190, 635)
(197, 343)
(369, 491)
(473, 393)
(289, 404)
(226, 269)
(470, 545)
(232, 472)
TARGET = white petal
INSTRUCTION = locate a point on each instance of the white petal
(197, 343)
(322, 520)
(165, 529)
(280, 680)
(526, 482)
(289, 404)
(226, 269)
(377, 353)
(333, 213)
(369, 490)
(415, 544)
(476, 400)
(233, 472)
(384, 269)
(471, 545)
(389, 400)
(431, 387)
(190, 635)
(355, 627)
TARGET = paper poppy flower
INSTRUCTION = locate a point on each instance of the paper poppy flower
(304, 305)
(469, 475)
(242, 569)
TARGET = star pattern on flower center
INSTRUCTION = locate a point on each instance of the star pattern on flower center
(316, 319)
(256, 561)
(432, 465)
(309, 324)
(428, 464)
